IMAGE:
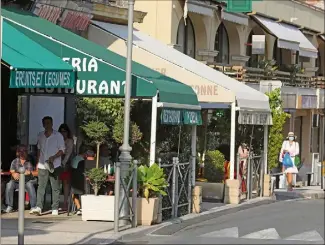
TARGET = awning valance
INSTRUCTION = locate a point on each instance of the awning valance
(247, 98)
(289, 37)
(31, 65)
(237, 18)
(199, 8)
(100, 71)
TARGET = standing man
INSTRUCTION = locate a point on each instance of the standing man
(50, 149)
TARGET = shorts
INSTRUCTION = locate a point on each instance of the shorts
(65, 175)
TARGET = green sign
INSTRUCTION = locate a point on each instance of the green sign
(171, 116)
(177, 117)
(192, 117)
(41, 79)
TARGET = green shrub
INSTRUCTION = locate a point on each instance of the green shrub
(214, 166)
(97, 177)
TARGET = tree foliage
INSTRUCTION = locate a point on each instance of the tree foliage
(275, 135)
(108, 111)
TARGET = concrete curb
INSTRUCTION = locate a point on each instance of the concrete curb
(175, 225)
(281, 195)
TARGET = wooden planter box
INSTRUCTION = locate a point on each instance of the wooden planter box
(97, 207)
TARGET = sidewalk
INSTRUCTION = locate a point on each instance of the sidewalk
(57, 230)
(307, 192)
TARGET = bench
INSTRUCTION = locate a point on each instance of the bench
(309, 174)
(277, 179)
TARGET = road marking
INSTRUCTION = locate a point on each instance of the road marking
(311, 236)
(263, 234)
(228, 232)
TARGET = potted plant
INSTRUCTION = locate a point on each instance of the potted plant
(94, 206)
(97, 207)
(151, 183)
(96, 131)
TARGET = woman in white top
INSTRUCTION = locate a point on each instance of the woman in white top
(292, 147)
(66, 161)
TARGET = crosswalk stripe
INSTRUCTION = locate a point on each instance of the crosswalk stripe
(311, 236)
(263, 234)
(228, 232)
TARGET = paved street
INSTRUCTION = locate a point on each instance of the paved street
(287, 222)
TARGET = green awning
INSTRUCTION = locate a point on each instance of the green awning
(173, 116)
(31, 65)
(100, 71)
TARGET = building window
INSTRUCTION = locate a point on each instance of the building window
(186, 37)
(222, 45)
(253, 60)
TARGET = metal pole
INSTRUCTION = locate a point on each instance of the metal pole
(153, 129)
(117, 196)
(174, 188)
(125, 157)
(237, 167)
(0, 99)
(21, 206)
(193, 149)
(232, 140)
(134, 194)
(262, 171)
(249, 175)
(265, 151)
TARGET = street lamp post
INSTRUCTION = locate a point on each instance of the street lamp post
(125, 156)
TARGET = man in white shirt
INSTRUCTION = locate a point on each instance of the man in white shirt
(50, 149)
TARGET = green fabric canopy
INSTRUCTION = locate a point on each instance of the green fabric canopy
(100, 71)
(44, 70)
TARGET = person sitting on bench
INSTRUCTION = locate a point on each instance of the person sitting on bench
(13, 184)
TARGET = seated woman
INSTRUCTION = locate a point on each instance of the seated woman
(78, 177)
(13, 184)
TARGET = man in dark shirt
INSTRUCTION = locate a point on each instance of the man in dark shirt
(13, 184)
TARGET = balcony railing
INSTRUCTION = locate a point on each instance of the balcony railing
(255, 75)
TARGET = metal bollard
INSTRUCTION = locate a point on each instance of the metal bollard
(21, 206)
(117, 197)
(134, 193)
(237, 167)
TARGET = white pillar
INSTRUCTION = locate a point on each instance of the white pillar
(193, 149)
(232, 140)
(153, 130)
(266, 141)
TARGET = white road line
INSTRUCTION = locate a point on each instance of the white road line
(311, 236)
(228, 232)
(263, 234)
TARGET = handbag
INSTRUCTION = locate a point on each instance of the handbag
(287, 161)
(297, 161)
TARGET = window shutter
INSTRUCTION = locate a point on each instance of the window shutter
(239, 6)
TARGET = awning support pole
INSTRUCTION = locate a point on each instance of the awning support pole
(193, 158)
(232, 140)
(266, 141)
(153, 129)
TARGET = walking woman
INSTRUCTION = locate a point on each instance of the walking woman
(292, 147)
(66, 162)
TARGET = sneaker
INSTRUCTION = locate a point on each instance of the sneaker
(55, 212)
(31, 211)
(78, 212)
(9, 209)
(37, 211)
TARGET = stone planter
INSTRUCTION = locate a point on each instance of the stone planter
(147, 212)
(97, 207)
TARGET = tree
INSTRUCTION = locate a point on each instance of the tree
(97, 132)
(276, 136)
(110, 111)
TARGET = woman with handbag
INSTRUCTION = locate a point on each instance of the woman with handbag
(289, 151)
